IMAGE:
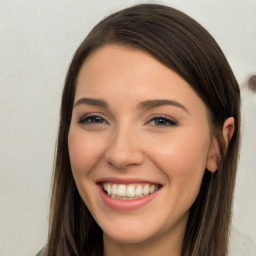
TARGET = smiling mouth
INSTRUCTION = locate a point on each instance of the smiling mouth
(129, 191)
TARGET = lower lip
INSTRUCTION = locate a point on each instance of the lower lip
(126, 205)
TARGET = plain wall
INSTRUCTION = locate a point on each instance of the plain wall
(37, 41)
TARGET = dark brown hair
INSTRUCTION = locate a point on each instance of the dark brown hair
(184, 46)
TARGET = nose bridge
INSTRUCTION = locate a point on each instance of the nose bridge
(124, 147)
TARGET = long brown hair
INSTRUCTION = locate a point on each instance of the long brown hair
(184, 46)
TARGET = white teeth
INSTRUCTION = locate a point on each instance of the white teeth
(121, 191)
(145, 190)
(139, 191)
(129, 192)
(109, 189)
(114, 190)
(152, 189)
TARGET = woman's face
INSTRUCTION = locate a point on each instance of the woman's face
(139, 143)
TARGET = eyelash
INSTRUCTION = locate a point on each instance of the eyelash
(164, 121)
(94, 119)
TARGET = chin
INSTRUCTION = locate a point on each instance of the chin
(123, 237)
(130, 233)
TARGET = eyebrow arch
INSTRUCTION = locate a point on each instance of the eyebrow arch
(145, 105)
(149, 104)
(92, 102)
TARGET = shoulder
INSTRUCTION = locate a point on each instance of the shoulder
(41, 252)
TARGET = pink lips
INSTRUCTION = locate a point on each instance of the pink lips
(126, 205)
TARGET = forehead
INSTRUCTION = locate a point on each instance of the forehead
(117, 73)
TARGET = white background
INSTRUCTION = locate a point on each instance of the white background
(37, 41)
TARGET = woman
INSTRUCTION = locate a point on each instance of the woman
(148, 140)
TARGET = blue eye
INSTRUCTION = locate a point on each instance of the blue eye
(92, 119)
(162, 121)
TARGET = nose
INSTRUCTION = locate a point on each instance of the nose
(124, 149)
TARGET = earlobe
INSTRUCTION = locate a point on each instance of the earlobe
(213, 159)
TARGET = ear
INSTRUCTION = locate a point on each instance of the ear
(214, 157)
(228, 130)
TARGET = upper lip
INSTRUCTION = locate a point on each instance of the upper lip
(117, 180)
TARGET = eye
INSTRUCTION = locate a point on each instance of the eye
(162, 121)
(92, 119)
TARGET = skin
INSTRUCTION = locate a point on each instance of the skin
(126, 140)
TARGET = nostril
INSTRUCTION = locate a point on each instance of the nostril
(123, 160)
(123, 153)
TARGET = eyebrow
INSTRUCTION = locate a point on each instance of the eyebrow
(149, 104)
(145, 105)
(92, 102)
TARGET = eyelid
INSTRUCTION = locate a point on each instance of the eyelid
(82, 119)
(172, 121)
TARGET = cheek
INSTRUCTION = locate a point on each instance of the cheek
(183, 161)
(183, 151)
(84, 151)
